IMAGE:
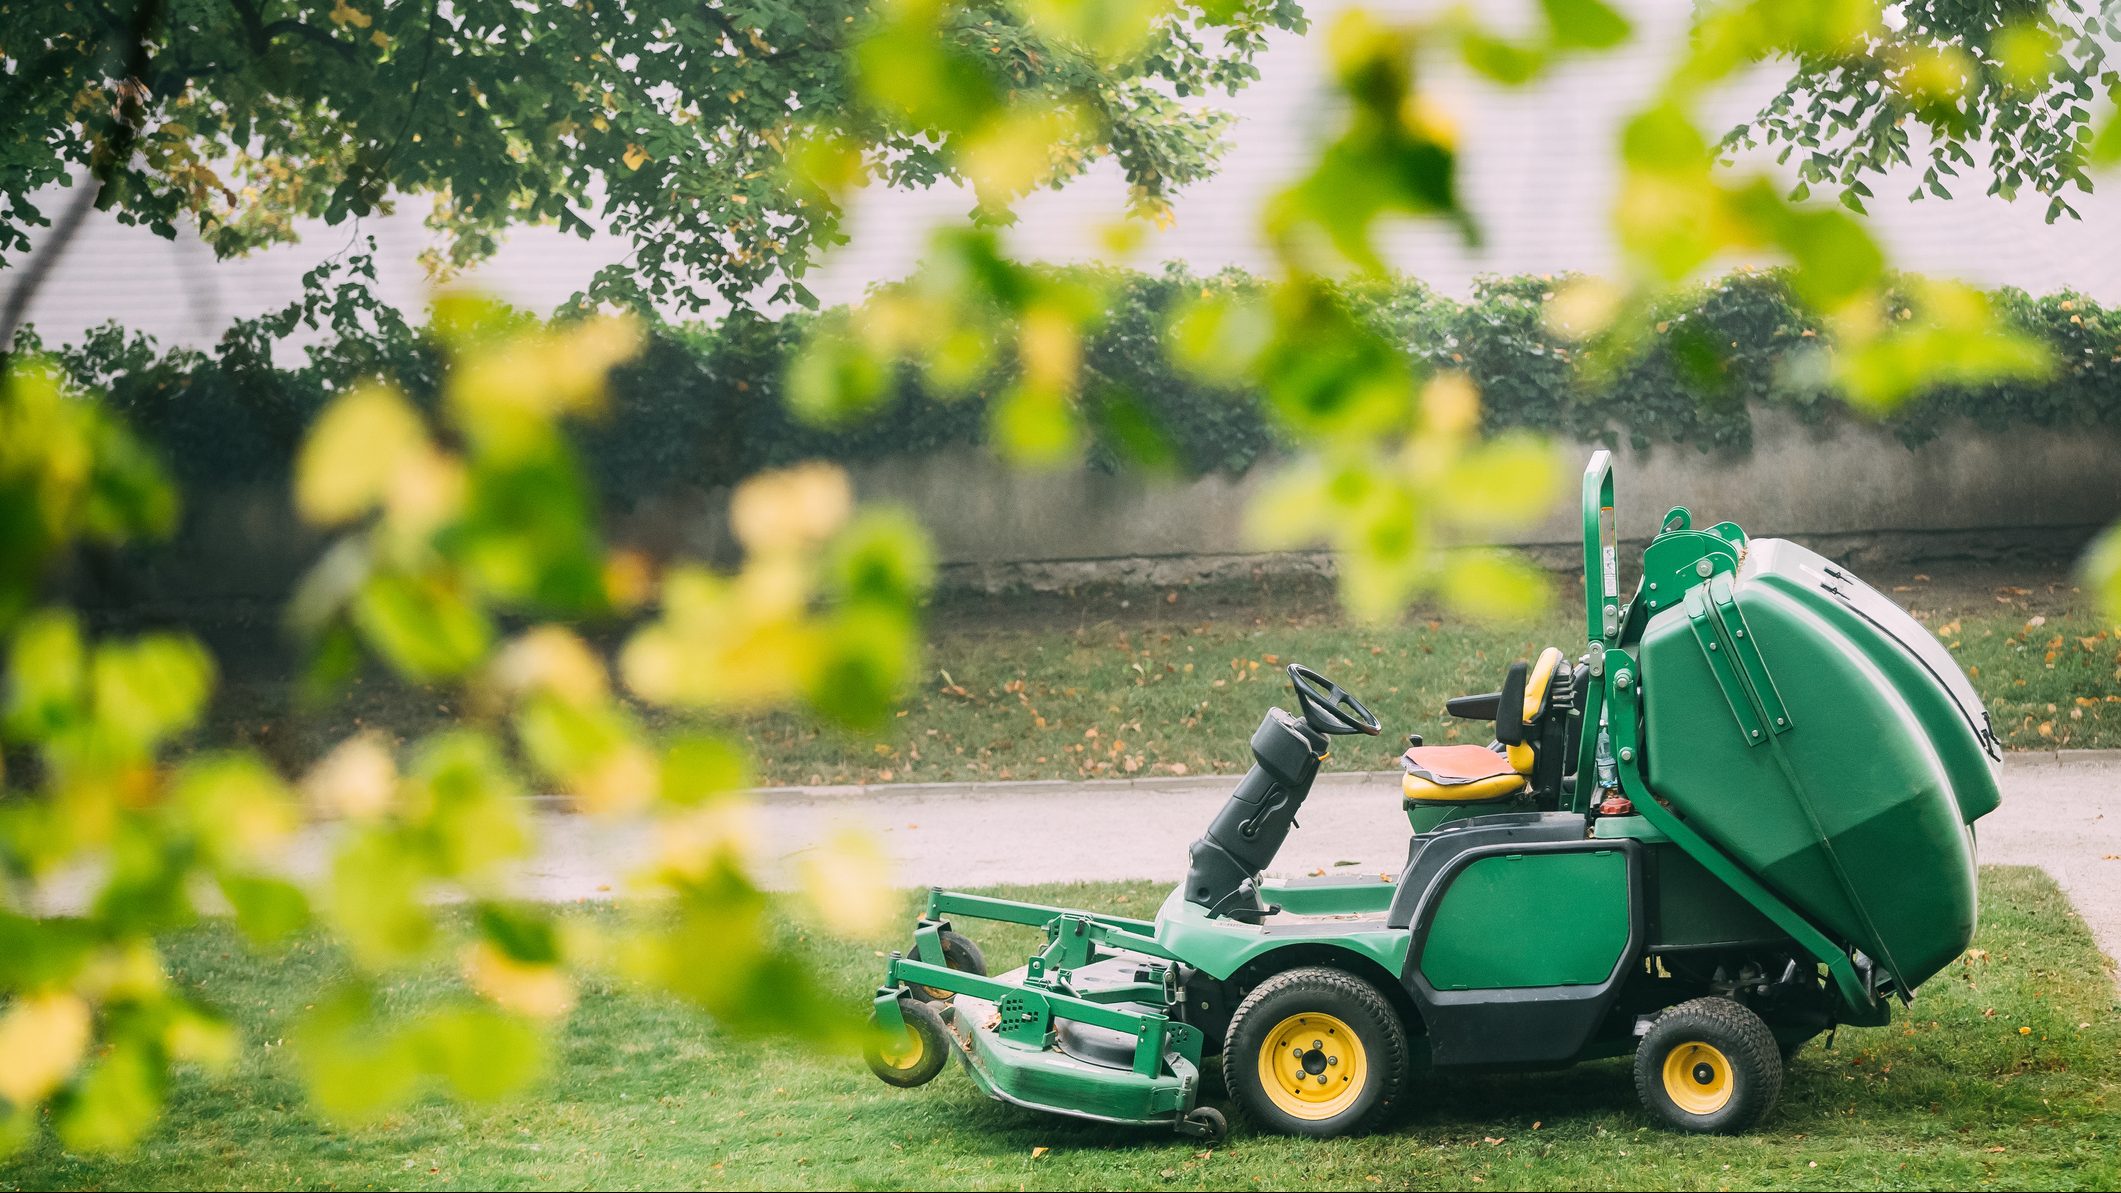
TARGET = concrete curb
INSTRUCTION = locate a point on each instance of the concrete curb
(1031, 788)
(984, 788)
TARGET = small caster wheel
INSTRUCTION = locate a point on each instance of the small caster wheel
(959, 953)
(1710, 1066)
(1207, 1124)
(913, 1057)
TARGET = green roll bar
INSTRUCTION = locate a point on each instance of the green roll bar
(1601, 552)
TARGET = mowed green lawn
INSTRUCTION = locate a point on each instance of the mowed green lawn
(1101, 690)
(2006, 1075)
(1118, 683)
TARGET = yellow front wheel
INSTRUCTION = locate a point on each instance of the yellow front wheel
(1710, 1065)
(1315, 1051)
(1312, 1065)
(912, 1055)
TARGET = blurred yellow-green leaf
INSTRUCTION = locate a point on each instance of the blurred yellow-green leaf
(47, 669)
(375, 895)
(427, 629)
(116, 1101)
(354, 452)
(43, 1035)
(481, 1055)
(1585, 24)
(1495, 585)
(848, 883)
(696, 769)
(268, 910)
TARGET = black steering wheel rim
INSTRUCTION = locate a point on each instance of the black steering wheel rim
(1330, 708)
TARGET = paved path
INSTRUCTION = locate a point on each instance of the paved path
(2060, 812)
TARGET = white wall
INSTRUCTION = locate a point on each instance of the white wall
(1538, 171)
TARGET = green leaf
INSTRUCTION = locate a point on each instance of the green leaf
(375, 893)
(835, 379)
(1585, 24)
(1505, 482)
(426, 629)
(482, 1055)
(115, 1102)
(883, 557)
(1504, 61)
(355, 1069)
(353, 451)
(469, 802)
(47, 670)
(43, 953)
(18, 1128)
(151, 688)
(268, 910)
(1219, 336)
(865, 659)
(236, 807)
(1036, 427)
(1134, 433)
(522, 932)
(1494, 585)
(2101, 570)
(697, 769)
(1663, 137)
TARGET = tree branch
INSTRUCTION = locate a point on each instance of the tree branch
(412, 106)
(129, 115)
(741, 39)
(345, 50)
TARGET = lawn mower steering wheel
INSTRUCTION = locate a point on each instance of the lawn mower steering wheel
(1329, 709)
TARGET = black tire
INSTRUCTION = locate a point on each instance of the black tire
(1710, 1066)
(1327, 1006)
(915, 1058)
(959, 953)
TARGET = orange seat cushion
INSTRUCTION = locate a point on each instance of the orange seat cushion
(1458, 774)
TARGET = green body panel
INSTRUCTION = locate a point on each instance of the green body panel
(1691, 908)
(1365, 895)
(1497, 927)
(1221, 947)
(1637, 828)
(1811, 802)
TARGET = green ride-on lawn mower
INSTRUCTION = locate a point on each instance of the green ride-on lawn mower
(1780, 841)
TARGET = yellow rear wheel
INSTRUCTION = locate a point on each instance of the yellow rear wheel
(1697, 1078)
(1709, 1065)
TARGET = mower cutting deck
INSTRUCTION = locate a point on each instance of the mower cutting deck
(1693, 879)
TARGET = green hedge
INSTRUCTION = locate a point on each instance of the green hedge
(702, 406)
